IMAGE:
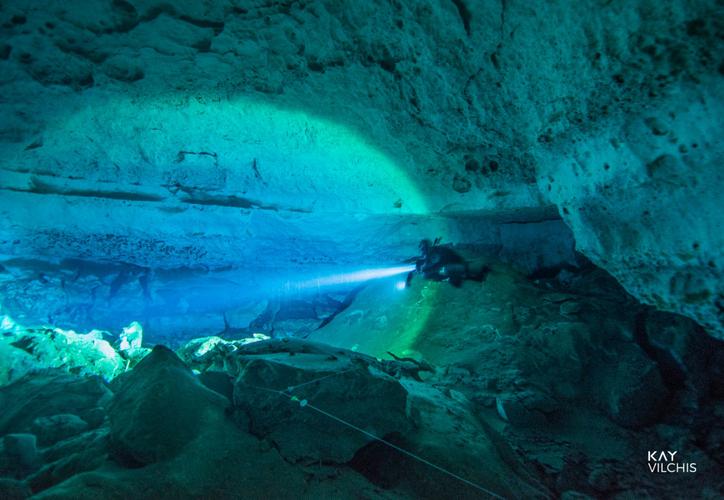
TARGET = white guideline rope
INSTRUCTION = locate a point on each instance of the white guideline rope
(303, 403)
(295, 387)
(402, 450)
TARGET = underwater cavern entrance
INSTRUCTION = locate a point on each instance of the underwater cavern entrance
(220, 273)
(336, 374)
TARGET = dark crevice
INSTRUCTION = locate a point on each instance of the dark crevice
(382, 465)
(5, 51)
(255, 168)
(535, 221)
(181, 156)
(465, 15)
(217, 26)
(39, 187)
(671, 370)
(225, 201)
(235, 202)
(34, 145)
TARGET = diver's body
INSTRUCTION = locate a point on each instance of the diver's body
(441, 263)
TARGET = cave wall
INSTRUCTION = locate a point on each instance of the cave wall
(169, 134)
(643, 198)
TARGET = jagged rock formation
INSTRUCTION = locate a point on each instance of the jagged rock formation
(180, 163)
(555, 386)
(196, 132)
(642, 196)
(160, 390)
(582, 376)
(159, 419)
(352, 394)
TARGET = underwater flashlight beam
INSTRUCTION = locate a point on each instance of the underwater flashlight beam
(353, 277)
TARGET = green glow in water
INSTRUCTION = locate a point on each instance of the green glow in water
(283, 158)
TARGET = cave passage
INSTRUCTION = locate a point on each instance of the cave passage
(394, 250)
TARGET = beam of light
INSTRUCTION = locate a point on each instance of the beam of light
(351, 278)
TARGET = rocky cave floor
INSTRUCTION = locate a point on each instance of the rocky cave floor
(555, 387)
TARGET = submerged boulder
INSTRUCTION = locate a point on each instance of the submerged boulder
(450, 433)
(528, 407)
(68, 458)
(131, 337)
(205, 353)
(18, 455)
(24, 349)
(635, 393)
(11, 489)
(55, 428)
(158, 408)
(49, 394)
(318, 407)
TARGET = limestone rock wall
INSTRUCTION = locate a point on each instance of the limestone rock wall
(162, 119)
(644, 199)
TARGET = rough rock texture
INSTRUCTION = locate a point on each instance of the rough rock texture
(48, 394)
(160, 389)
(18, 455)
(14, 490)
(54, 428)
(574, 373)
(28, 349)
(197, 132)
(313, 402)
(637, 392)
(166, 435)
(214, 459)
(355, 394)
(548, 387)
(83, 453)
(663, 243)
(449, 432)
(51, 428)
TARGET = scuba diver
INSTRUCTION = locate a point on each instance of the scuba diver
(441, 263)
